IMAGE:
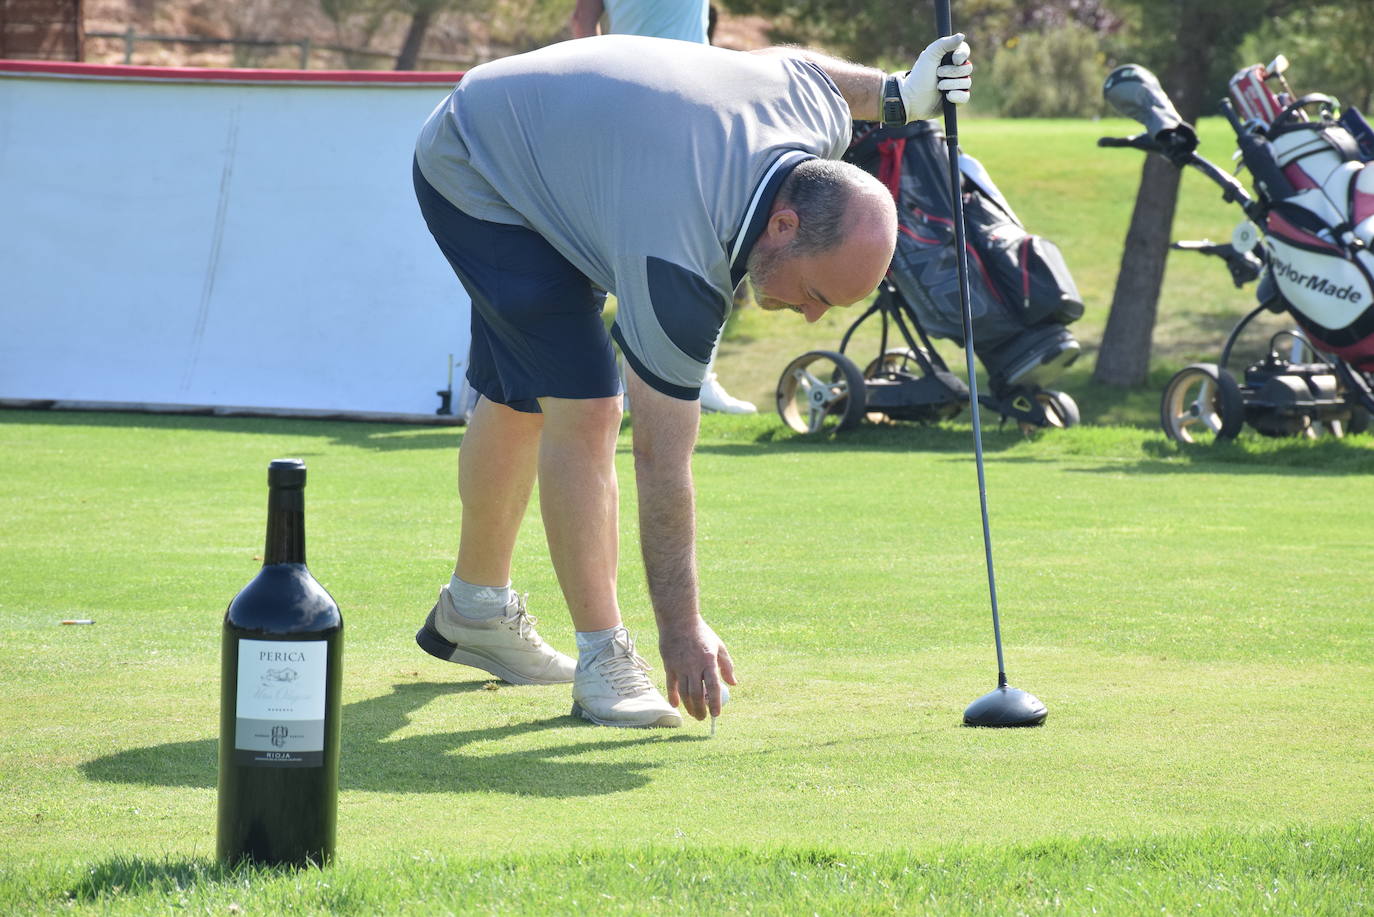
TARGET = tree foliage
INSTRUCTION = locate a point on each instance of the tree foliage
(1048, 74)
(485, 29)
(891, 33)
(1331, 49)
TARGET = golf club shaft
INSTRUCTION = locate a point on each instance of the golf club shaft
(944, 26)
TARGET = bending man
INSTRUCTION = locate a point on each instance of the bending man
(664, 172)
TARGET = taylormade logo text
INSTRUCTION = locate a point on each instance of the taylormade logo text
(1315, 282)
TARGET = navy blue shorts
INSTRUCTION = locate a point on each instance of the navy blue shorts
(536, 320)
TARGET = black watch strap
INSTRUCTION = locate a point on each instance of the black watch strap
(894, 110)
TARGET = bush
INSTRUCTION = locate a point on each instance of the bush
(1054, 74)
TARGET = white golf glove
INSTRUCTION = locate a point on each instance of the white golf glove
(922, 85)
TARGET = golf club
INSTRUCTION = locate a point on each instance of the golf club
(1004, 706)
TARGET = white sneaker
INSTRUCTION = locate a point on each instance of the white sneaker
(614, 690)
(715, 398)
(506, 645)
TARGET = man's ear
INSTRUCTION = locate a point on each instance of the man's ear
(782, 226)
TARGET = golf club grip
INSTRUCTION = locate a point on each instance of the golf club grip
(944, 25)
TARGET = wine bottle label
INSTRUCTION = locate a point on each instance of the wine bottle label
(280, 710)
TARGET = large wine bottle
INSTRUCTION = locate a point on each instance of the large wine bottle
(279, 698)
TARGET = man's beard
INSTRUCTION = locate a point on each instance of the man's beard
(760, 269)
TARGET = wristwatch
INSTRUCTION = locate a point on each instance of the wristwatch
(894, 110)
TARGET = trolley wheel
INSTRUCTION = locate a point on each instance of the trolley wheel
(1058, 410)
(895, 363)
(821, 390)
(898, 360)
(1061, 411)
(1202, 403)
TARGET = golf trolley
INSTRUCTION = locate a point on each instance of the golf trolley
(1300, 387)
(910, 381)
(1022, 299)
(1295, 389)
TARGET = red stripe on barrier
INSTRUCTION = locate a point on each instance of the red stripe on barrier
(68, 70)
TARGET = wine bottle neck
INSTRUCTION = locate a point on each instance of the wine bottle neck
(285, 526)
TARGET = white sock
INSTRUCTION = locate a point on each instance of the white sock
(590, 643)
(478, 602)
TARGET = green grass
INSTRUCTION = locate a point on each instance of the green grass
(1196, 620)
(1284, 872)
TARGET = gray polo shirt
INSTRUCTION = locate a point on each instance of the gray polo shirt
(650, 164)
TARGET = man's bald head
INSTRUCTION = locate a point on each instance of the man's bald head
(834, 201)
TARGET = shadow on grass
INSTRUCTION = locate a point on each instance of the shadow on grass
(1147, 452)
(1289, 456)
(120, 875)
(371, 760)
(885, 437)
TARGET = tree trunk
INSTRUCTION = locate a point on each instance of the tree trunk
(415, 39)
(1125, 355)
(1124, 359)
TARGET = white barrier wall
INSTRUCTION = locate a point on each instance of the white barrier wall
(224, 239)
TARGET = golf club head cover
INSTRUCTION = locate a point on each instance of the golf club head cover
(1135, 92)
(922, 85)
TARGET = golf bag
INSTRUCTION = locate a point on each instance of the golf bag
(1021, 293)
(1315, 178)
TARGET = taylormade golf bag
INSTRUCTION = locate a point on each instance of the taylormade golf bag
(1022, 295)
(1314, 175)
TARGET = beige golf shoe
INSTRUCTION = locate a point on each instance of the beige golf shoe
(614, 689)
(506, 645)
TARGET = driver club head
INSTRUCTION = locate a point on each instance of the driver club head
(1006, 706)
(1136, 93)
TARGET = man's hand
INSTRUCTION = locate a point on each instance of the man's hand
(695, 662)
(928, 78)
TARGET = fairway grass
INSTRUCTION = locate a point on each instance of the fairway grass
(1197, 621)
(1313, 871)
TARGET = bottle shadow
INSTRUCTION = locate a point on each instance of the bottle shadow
(149, 875)
(433, 763)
